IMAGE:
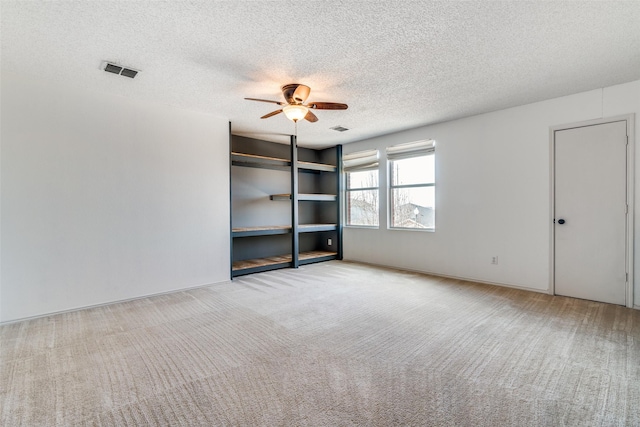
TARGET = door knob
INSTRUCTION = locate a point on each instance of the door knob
(561, 221)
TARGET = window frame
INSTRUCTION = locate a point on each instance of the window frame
(408, 153)
(360, 162)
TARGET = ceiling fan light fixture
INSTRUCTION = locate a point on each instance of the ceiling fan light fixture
(294, 107)
(295, 112)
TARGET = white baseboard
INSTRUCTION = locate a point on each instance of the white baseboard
(447, 276)
(71, 310)
(468, 279)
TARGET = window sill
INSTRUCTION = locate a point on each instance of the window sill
(421, 230)
(366, 227)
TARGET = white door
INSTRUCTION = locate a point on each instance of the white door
(590, 212)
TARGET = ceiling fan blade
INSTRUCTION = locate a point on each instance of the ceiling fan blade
(273, 113)
(301, 93)
(265, 100)
(327, 106)
(311, 117)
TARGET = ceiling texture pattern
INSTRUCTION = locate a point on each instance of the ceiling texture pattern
(398, 64)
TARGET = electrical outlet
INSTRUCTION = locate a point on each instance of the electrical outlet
(329, 242)
(494, 260)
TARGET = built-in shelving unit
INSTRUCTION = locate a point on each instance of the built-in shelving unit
(314, 231)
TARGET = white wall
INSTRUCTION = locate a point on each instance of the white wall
(492, 196)
(105, 199)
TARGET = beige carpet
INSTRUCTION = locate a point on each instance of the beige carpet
(332, 344)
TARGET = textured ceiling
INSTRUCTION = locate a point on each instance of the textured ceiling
(398, 64)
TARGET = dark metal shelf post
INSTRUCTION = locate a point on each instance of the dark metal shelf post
(339, 197)
(295, 242)
(230, 207)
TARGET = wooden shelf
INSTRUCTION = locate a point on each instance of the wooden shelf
(316, 256)
(306, 197)
(258, 265)
(265, 230)
(255, 161)
(268, 230)
(317, 197)
(321, 167)
(311, 228)
(266, 162)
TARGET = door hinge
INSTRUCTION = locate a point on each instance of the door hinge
(626, 277)
(626, 209)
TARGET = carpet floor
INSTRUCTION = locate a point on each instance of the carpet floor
(331, 344)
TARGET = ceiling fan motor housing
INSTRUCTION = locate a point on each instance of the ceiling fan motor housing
(295, 93)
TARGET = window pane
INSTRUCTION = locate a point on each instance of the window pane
(413, 207)
(362, 179)
(414, 170)
(362, 207)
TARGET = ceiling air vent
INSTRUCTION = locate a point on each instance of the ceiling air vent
(110, 67)
(339, 128)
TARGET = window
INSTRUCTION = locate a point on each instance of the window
(361, 193)
(412, 185)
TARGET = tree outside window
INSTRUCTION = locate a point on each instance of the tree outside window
(362, 198)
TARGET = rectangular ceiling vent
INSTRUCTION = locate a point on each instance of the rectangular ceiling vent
(339, 128)
(110, 67)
